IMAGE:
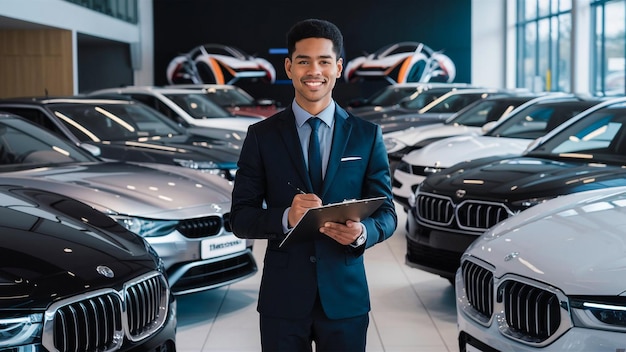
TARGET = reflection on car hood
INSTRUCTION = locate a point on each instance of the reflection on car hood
(411, 136)
(182, 147)
(452, 150)
(576, 243)
(233, 123)
(41, 258)
(521, 178)
(138, 190)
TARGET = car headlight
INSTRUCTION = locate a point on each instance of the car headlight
(393, 145)
(607, 313)
(20, 330)
(527, 203)
(146, 227)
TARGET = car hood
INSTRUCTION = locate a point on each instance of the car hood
(414, 135)
(41, 258)
(142, 190)
(522, 178)
(575, 243)
(452, 150)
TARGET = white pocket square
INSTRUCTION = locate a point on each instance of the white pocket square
(350, 158)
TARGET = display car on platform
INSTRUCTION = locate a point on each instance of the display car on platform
(402, 62)
(220, 64)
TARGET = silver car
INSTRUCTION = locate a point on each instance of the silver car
(182, 213)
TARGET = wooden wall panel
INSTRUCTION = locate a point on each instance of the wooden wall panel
(33, 62)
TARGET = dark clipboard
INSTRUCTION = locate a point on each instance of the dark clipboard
(307, 228)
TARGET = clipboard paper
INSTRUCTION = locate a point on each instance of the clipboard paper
(308, 227)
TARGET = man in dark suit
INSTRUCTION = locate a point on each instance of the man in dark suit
(315, 290)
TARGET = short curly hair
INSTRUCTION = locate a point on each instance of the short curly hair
(314, 28)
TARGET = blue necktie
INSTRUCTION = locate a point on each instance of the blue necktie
(315, 157)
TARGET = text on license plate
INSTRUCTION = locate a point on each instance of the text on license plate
(222, 245)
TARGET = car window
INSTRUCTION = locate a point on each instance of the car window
(36, 116)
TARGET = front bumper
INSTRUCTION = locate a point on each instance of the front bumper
(435, 251)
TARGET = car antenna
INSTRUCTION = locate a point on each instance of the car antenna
(46, 92)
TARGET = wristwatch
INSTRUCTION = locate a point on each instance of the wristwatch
(359, 241)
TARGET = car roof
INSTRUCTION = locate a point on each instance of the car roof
(65, 99)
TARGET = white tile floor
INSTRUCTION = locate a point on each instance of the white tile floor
(411, 310)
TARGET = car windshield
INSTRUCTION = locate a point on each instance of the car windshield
(229, 97)
(481, 112)
(24, 144)
(421, 98)
(451, 103)
(538, 119)
(599, 137)
(198, 105)
(112, 122)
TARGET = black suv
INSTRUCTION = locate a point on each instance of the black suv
(453, 207)
(73, 279)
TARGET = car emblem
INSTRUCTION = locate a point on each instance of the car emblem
(460, 193)
(511, 256)
(105, 271)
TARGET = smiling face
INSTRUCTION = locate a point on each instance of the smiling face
(313, 69)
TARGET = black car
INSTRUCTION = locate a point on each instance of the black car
(453, 207)
(75, 280)
(125, 130)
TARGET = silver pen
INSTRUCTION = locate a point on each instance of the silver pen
(296, 188)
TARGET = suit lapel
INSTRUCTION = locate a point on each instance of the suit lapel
(289, 134)
(340, 140)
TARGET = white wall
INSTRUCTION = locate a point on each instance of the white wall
(489, 44)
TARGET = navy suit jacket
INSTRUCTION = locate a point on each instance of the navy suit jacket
(358, 167)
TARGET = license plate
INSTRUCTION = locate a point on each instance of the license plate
(222, 245)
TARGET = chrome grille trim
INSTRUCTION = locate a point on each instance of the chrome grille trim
(478, 280)
(473, 216)
(480, 215)
(99, 320)
(527, 311)
(478, 283)
(434, 209)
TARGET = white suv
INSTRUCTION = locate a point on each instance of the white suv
(550, 278)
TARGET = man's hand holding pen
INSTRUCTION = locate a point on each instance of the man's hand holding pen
(300, 204)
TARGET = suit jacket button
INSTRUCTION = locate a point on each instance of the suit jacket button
(313, 259)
